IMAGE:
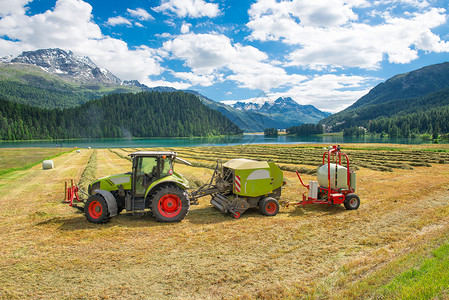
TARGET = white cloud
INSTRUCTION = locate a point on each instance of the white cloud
(334, 37)
(195, 79)
(185, 28)
(207, 54)
(13, 7)
(329, 92)
(69, 26)
(413, 3)
(163, 82)
(114, 21)
(140, 13)
(188, 8)
(204, 53)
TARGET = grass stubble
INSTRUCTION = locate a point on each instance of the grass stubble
(50, 251)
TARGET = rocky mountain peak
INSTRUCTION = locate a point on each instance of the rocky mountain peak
(68, 65)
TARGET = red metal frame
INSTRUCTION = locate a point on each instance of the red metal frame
(71, 193)
(334, 196)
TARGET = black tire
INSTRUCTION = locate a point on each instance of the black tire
(169, 204)
(352, 202)
(96, 209)
(269, 206)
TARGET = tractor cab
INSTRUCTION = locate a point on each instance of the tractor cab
(148, 167)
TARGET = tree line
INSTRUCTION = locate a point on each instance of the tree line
(434, 121)
(270, 132)
(305, 129)
(145, 114)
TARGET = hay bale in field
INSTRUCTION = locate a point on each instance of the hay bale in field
(78, 151)
(48, 164)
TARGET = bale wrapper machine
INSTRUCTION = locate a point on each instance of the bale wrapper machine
(335, 183)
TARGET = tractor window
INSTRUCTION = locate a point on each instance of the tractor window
(146, 172)
(166, 166)
(149, 165)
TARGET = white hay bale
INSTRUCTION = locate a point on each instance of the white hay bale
(47, 164)
(78, 151)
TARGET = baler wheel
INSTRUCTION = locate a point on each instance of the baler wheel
(96, 209)
(269, 206)
(352, 201)
(170, 204)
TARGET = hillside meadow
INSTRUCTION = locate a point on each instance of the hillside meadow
(391, 247)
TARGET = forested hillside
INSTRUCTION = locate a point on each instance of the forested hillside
(407, 104)
(146, 114)
(30, 85)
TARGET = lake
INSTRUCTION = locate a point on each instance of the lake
(215, 141)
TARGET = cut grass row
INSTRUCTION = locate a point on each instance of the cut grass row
(376, 160)
(90, 172)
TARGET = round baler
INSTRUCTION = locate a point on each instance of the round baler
(240, 184)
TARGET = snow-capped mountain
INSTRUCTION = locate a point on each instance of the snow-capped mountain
(284, 108)
(66, 64)
(6, 59)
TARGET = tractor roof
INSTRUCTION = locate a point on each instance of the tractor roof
(245, 164)
(160, 153)
(153, 153)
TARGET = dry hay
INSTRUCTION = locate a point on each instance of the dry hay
(316, 251)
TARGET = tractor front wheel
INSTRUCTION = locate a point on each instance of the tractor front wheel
(269, 206)
(170, 204)
(96, 209)
(352, 201)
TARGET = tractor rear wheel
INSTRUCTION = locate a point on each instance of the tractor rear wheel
(170, 204)
(352, 201)
(269, 206)
(96, 209)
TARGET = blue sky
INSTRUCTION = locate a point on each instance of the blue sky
(327, 53)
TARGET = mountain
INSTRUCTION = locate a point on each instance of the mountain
(53, 87)
(248, 121)
(67, 65)
(144, 114)
(403, 95)
(284, 111)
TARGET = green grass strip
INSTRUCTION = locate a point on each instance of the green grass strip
(428, 281)
(90, 172)
(30, 165)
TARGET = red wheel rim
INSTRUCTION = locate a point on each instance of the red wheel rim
(236, 215)
(169, 205)
(270, 208)
(95, 209)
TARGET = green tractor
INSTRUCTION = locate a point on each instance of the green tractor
(152, 184)
(235, 186)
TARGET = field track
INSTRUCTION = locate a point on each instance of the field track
(49, 250)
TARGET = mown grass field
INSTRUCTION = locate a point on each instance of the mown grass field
(397, 237)
(19, 159)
